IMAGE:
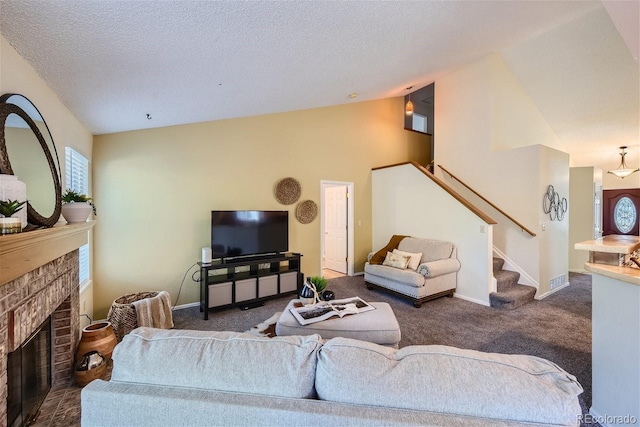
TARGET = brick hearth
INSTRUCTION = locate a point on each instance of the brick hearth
(49, 290)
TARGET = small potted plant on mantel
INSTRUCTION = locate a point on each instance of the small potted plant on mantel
(9, 224)
(76, 207)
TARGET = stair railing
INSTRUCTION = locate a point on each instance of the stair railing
(506, 215)
(466, 203)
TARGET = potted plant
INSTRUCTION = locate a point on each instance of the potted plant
(77, 207)
(8, 224)
(313, 291)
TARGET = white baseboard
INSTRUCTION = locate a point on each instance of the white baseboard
(572, 270)
(359, 273)
(474, 300)
(183, 306)
(546, 294)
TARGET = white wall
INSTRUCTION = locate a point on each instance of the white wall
(405, 201)
(492, 137)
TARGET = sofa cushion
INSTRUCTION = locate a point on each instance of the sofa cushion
(406, 277)
(414, 259)
(223, 361)
(448, 380)
(431, 250)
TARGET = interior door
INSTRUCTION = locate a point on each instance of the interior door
(335, 229)
(620, 209)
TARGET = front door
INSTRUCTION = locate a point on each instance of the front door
(335, 229)
(620, 209)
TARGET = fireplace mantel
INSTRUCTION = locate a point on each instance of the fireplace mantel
(24, 252)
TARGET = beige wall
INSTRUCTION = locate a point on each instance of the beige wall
(155, 188)
(582, 188)
(17, 76)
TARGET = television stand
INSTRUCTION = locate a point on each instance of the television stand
(248, 282)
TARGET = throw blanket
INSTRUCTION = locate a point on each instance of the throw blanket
(155, 312)
(378, 257)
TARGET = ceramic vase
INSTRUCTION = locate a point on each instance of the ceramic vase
(308, 293)
(99, 337)
(76, 211)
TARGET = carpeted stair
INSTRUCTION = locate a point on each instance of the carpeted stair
(510, 293)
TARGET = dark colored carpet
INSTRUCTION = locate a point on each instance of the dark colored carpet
(557, 328)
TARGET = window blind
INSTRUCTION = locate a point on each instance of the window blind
(77, 179)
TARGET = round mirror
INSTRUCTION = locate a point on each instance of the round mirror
(25, 152)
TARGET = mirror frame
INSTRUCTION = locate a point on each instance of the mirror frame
(6, 98)
(33, 217)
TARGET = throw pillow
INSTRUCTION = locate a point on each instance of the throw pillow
(414, 259)
(396, 260)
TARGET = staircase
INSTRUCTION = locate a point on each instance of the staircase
(510, 294)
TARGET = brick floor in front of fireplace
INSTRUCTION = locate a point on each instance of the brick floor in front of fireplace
(61, 407)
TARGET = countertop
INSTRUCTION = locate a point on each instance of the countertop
(624, 274)
(615, 244)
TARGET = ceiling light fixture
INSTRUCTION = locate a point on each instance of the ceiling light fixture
(623, 170)
(408, 108)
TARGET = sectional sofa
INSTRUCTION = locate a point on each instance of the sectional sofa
(179, 377)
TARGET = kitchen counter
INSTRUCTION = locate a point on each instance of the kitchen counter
(624, 274)
(615, 250)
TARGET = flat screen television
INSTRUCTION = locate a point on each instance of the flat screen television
(248, 233)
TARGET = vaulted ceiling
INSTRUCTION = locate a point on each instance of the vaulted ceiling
(112, 63)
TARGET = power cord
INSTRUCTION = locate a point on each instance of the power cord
(182, 283)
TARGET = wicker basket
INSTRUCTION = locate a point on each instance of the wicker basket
(122, 313)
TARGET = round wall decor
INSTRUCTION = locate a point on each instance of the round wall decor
(288, 191)
(306, 211)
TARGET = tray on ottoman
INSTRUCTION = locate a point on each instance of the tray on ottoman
(377, 326)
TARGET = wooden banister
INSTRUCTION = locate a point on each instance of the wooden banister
(525, 229)
(486, 218)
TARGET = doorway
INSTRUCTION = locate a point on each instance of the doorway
(336, 219)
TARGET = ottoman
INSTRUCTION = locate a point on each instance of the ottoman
(377, 326)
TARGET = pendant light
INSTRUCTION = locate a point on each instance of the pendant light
(408, 108)
(623, 170)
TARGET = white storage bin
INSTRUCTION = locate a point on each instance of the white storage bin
(267, 286)
(245, 289)
(220, 294)
(289, 282)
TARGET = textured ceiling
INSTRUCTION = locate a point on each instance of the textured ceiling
(112, 62)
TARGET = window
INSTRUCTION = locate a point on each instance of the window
(77, 179)
(625, 215)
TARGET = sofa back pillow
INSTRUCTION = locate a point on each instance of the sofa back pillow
(431, 250)
(223, 361)
(448, 380)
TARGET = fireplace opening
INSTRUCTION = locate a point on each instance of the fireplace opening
(29, 377)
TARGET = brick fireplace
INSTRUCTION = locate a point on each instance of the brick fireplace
(38, 279)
